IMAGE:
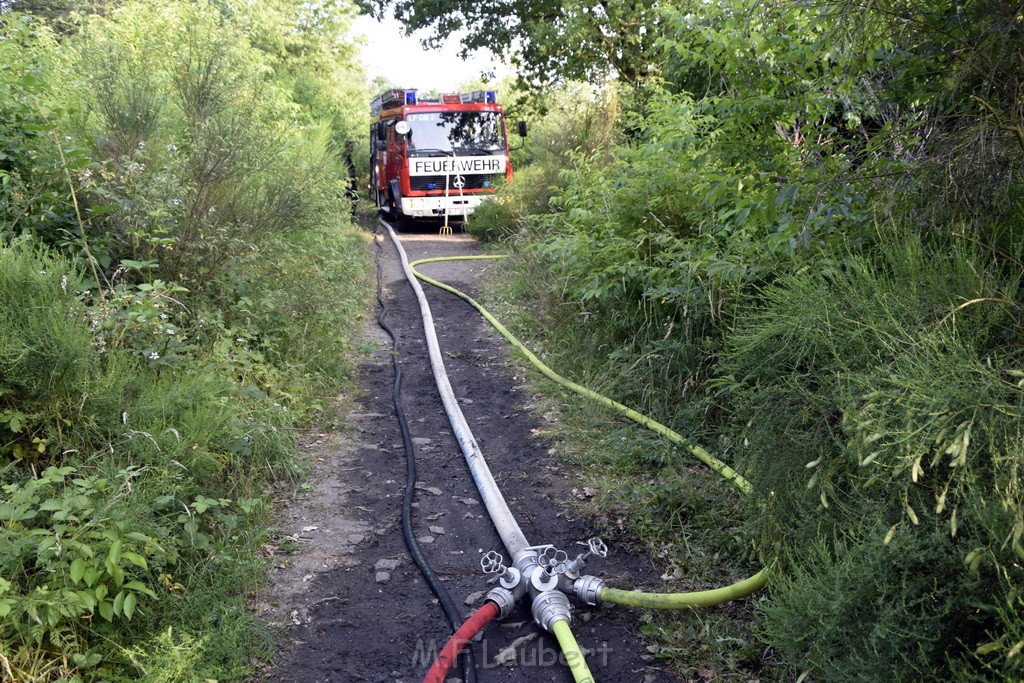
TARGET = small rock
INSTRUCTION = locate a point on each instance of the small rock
(310, 528)
(508, 655)
(432, 490)
(476, 597)
(469, 501)
(468, 515)
(387, 565)
(425, 539)
(439, 530)
(421, 440)
(383, 577)
(355, 539)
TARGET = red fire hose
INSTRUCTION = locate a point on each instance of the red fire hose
(476, 623)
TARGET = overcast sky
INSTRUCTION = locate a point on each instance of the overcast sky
(402, 61)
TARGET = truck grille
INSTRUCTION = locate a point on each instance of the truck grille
(420, 183)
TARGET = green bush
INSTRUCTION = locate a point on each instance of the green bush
(72, 549)
(268, 325)
(878, 407)
(45, 353)
(98, 463)
(187, 166)
(804, 252)
(47, 356)
(855, 609)
(579, 120)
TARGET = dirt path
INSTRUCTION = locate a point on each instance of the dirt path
(350, 603)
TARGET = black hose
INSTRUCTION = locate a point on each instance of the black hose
(447, 604)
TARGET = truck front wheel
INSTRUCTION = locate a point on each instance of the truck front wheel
(399, 221)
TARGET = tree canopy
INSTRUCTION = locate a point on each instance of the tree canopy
(547, 42)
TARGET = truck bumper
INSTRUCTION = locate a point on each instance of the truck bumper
(430, 207)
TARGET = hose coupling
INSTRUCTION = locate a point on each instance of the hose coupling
(588, 590)
(503, 598)
(549, 607)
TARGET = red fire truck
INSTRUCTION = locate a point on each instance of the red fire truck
(436, 158)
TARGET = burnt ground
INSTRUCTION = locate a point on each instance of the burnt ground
(348, 603)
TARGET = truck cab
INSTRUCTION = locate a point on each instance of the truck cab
(436, 158)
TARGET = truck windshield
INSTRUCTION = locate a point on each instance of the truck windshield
(459, 133)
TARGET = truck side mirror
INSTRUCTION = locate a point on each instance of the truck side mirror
(522, 129)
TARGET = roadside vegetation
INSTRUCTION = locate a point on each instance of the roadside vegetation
(788, 230)
(797, 240)
(179, 285)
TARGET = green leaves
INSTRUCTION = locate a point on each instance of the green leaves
(77, 571)
(548, 42)
(140, 587)
(14, 420)
(106, 609)
(127, 604)
(73, 562)
(114, 556)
